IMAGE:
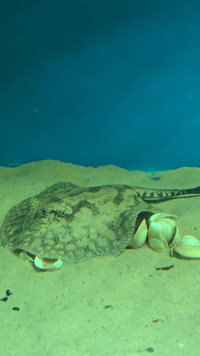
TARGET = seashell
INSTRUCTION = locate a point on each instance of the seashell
(24, 255)
(140, 235)
(44, 264)
(159, 216)
(163, 231)
(158, 243)
(188, 247)
(47, 264)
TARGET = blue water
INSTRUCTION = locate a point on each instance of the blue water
(100, 82)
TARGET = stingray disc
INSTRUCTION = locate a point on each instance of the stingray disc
(73, 223)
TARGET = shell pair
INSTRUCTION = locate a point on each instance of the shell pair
(42, 264)
(161, 232)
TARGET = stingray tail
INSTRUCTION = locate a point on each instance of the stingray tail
(159, 195)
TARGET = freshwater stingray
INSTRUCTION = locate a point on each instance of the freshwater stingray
(76, 223)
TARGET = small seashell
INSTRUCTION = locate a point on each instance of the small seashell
(47, 264)
(24, 255)
(188, 247)
(44, 264)
(140, 235)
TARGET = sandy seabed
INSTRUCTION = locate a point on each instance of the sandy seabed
(105, 306)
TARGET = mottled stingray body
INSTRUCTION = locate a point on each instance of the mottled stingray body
(77, 223)
(72, 222)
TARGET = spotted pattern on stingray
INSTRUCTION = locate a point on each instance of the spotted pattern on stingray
(72, 222)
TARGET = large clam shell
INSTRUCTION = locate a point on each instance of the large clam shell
(162, 232)
(188, 247)
(140, 235)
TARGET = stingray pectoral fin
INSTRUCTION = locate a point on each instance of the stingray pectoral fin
(47, 264)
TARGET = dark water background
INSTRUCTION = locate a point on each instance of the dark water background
(99, 82)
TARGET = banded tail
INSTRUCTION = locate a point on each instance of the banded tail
(159, 195)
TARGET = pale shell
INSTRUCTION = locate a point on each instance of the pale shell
(159, 216)
(47, 264)
(188, 247)
(163, 231)
(24, 255)
(44, 264)
(140, 235)
(158, 243)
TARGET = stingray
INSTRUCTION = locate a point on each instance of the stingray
(77, 223)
